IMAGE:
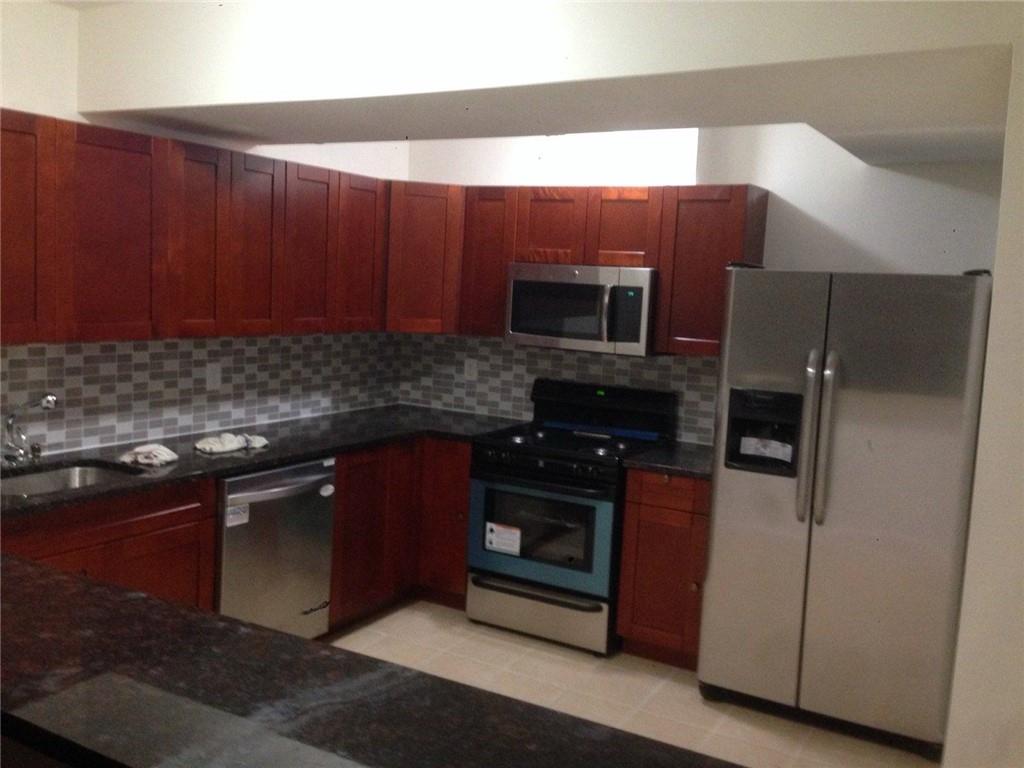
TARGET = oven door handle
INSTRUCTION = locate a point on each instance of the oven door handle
(538, 595)
(565, 490)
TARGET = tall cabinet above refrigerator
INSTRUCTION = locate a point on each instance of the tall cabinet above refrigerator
(847, 422)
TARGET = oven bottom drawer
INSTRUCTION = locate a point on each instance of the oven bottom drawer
(546, 613)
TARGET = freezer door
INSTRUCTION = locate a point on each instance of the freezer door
(892, 492)
(754, 591)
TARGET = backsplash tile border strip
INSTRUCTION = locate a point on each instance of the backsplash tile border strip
(132, 391)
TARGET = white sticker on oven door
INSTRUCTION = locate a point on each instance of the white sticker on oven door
(773, 449)
(238, 515)
(502, 538)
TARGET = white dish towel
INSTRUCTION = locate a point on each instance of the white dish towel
(227, 442)
(149, 455)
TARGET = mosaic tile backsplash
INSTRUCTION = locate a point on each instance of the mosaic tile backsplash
(134, 391)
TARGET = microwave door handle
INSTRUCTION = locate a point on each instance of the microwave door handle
(606, 301)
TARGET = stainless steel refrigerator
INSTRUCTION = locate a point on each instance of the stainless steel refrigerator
(846, 429)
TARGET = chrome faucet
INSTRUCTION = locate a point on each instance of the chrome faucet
(16, 446)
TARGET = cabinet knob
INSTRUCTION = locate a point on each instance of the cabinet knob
(665, 479)
(694, 586)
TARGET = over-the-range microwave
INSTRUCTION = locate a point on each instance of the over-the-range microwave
(593, 309)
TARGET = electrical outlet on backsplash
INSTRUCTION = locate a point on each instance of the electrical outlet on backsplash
(139, 390)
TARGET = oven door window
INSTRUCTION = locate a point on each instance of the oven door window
(560, 310)
(550, 531)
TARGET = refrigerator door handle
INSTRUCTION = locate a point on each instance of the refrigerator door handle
(828, 388)
(808, 424)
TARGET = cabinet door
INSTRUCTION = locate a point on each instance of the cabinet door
(402, 519)
(489, 248)
(111, 231)
(170, 563)
(310, 266)
(199, 239)
(623, 226)
(250, 280)
(358, 301)
(27, 228)
(425, 257)
(552, 224)
(697, 562)
(444, 515)
(361, 574)
(703, 229)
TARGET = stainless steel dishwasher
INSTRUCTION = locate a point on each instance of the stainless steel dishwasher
(275, 563)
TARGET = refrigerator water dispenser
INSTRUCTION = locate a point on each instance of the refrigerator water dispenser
(763, 431)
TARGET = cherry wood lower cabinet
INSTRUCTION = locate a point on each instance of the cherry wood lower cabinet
(664, 558)
(162, 541)
(374, 552)
(444, 519)
(704, 228)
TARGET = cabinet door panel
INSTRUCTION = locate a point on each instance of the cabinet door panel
(623, 226)
(402, 519)
(444, 515)
(27, 228)
(489, 248)
(199, 218)
(703, 229)
(310, 262)
(425, 250)
(698, 564)
(358, 303)
(361, 577)
(250, 282)
(552, 225)
(111, 231)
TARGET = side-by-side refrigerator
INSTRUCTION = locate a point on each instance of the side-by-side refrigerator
(847, 422)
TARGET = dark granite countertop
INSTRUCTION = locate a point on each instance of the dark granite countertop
(145, 683)
(289, 442)
(688, 459)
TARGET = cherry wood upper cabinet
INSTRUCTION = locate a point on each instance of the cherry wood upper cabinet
(489, 249)
(358, 301)
(552, 225)
(444, 517)
(425, 257)
(623, 226)
(28, 270)
(310, 265)
(111, 231)
(250, 281)
(703, 229)
(199, 240)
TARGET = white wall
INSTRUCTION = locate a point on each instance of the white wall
(619, 158)
(830, 211)
(39, 70)
(986, 721)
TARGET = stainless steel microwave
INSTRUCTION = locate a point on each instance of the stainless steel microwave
(593, 309)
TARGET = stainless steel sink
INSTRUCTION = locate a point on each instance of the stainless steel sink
(52, 479)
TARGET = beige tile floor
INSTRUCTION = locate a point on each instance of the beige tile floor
(651, 699)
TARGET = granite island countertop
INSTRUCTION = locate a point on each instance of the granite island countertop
(101, 670)
(312, 438)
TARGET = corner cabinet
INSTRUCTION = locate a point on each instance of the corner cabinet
(425, 257)
(162, 541)
(28, 267)
(664, 558)
(704, 228)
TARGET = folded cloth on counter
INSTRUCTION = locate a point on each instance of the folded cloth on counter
(149, 455)
(227, 442)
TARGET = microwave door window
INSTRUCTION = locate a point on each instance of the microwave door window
(561, 310)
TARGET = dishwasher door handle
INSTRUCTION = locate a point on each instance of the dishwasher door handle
(297, 488)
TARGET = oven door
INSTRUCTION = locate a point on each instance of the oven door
(554, 536)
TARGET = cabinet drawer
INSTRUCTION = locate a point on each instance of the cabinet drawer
(657, 489)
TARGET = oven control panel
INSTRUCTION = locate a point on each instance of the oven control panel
(499, 461)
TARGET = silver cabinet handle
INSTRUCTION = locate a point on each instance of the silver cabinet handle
(808, 428)
(606, 300)
(828, 391)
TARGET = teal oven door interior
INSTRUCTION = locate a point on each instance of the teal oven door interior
(557, 539)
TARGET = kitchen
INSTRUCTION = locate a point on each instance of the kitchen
(421, 368)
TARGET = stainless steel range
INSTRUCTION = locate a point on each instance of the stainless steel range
(545, 510)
